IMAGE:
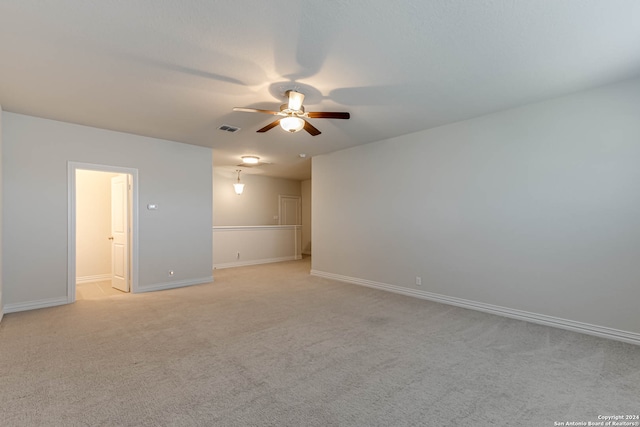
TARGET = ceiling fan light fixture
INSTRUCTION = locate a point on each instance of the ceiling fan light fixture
(295, 100)
(292, 114)
(292, 124)
(250, 160)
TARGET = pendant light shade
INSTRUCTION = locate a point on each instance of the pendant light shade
(238, 186)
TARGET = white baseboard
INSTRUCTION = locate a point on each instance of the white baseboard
(585, 328)
(34, 305)
(172, 285)
(52, 302)
(255, 262)
(93, 279)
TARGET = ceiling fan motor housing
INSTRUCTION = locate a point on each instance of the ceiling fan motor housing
(285, 109)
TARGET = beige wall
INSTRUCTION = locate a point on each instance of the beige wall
(258, 205)
(306, 216)
(93, 224)
(1, 223)
(176, 177)
(534, 209)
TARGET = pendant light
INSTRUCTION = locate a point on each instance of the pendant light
(238, 186)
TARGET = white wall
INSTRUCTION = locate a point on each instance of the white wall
(235, 246)
(1, 223)
(536, 209)
(176, 177)
(306, 216)
(93, 224)
(257, 205)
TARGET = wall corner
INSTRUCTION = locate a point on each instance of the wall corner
(1, 226)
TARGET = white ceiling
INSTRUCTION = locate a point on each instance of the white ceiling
(175, 69)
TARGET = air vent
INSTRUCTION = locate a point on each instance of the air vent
(229, 128)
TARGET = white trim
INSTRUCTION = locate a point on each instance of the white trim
(299, 207)
(585, 328)
(256, 262)
(34, 305)
(93, 279)
(71, 222)
(176, 284)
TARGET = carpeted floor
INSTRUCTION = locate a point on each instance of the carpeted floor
(95, 290)
(271, 346)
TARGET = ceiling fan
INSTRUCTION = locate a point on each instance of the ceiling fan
(293, 115)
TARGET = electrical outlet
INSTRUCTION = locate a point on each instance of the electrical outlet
(237, 255)
(418, 281)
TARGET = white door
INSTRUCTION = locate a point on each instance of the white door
(289, 210)
(120, 232)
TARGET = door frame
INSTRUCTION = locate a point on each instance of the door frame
(281, 198)
(72, 167)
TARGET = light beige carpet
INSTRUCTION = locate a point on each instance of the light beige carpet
(95, 290)
(271, 346)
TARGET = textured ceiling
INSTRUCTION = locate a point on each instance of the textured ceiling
(174, 70)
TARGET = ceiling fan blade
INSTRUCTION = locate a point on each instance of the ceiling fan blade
(295, 100)
(328, 115)
(269, 126)
(255, 110)
(311, 129)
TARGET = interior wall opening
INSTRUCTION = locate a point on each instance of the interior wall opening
(102, 225)
(94, 235)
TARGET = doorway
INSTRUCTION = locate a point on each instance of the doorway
(289, 210)
(102, 241)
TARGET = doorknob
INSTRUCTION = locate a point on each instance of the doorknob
(111, 238)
